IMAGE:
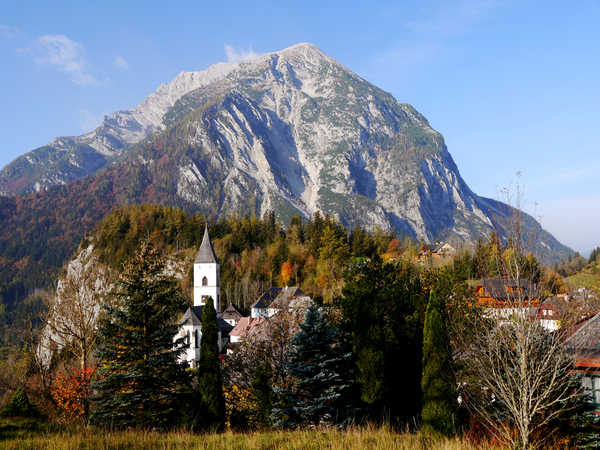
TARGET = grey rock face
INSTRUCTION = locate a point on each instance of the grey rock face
(69, 158)
(292, 131)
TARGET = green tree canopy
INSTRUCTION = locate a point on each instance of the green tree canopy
(210, 385)
(140, 381)
(438, 384)
(319, 376)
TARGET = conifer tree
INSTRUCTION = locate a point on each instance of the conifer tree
(210, 384)
(20, 406)
(140, 380)
(319, 376)
(383, 307)
(439, 392)
(263, 391)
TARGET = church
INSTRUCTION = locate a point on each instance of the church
(207, 285)
(232, 326)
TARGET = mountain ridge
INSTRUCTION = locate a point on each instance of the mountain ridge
(296, 132)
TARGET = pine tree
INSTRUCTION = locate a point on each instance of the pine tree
(319, 372)
(383, 307)
(140, 380)
(263, 391)
(210, 384)
(20, 406)
(439, 393)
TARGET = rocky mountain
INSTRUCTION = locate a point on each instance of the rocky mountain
(69, 158)
(292, 131)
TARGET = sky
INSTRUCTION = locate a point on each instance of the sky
(513, 86)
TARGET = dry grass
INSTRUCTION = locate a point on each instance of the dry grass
(354, 439)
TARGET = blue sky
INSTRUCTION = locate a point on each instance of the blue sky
(512, 86)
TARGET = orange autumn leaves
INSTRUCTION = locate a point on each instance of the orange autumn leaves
(286, 272)
(70, 392)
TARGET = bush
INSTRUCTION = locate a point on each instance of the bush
(20, 406)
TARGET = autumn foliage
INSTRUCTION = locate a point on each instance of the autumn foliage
(286, 272)
(241, 408)
(71, 391)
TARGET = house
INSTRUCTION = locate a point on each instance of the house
(552, 312)
(243, 328)
(231, 315)
(207, 287)
(274, 300)
(507, 296)
(265, 313)
(438, 253)
(583, 342)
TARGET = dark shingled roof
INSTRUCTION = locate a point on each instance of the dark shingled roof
(231, 313)
(496, 288)
(193, 316)
(278, 297)
(206, 254)
(586, 335)
(266, 298)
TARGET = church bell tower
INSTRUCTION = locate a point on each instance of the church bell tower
(207, 277)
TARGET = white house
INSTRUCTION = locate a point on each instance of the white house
(276, 299)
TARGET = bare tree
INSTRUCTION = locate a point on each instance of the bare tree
(266, 344)
(517, 376)
(71, 322)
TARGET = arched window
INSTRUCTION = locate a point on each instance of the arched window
(197, 338)
(204, 281)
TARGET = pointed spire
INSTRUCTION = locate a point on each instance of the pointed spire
(206, 254)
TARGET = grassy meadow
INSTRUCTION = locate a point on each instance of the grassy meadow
(92, 438)
(588, 277)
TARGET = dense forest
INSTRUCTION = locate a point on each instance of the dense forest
(251, 250)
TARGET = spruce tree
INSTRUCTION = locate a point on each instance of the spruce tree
(20, 406)
(263, 391)
(140, 380)
(438, 385)
(319, 377)
(210, 384)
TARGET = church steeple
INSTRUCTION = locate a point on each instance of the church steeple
(206, 254)
(207, 282)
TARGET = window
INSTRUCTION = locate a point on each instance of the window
(196, 338)
(204, 281)
(591, 386)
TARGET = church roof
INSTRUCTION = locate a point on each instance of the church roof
(206, 254)
(193, 316)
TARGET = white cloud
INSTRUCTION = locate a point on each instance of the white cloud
(121, 63)
(234, 55)
(64, 54)
(88, 121)
(7, 31)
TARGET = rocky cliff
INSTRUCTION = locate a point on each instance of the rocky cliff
(292, 131)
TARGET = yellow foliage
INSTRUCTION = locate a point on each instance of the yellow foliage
(241, 408)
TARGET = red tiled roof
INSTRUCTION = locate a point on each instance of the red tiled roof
(244, 326)
(588, 362)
